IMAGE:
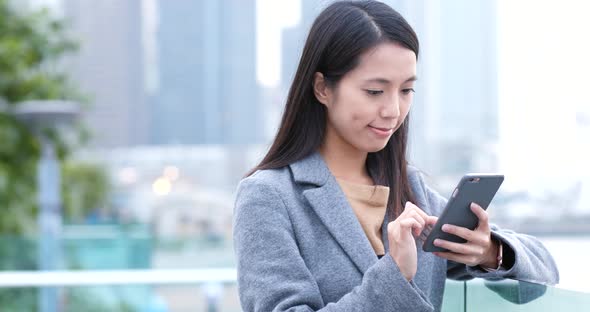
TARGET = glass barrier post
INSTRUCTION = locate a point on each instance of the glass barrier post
(213, 292)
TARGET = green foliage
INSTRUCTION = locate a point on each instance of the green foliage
(32, 45)
(18, 253)
(89, 299)
(18, 299)
(85, 187)
(18, 160)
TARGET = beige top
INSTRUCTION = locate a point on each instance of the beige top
(369, 204)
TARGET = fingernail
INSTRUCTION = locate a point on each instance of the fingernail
(446, 227)
(436, 242)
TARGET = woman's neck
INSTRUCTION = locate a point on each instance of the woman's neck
(344, 160)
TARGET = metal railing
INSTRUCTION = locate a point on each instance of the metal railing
(15, 279)
(473, 295)
(210, 280)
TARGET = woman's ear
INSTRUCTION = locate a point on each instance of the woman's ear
(321, 89)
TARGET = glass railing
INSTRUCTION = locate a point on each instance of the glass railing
(127, 298)
(454, 299)
(510, 295)
(130, 271)
(163, 292)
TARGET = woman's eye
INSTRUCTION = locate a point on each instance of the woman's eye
(408, 91)
(374, 92)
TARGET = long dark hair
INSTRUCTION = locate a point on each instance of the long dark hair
(338, 36)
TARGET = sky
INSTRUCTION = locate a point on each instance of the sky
(544, 90)
(272, 18)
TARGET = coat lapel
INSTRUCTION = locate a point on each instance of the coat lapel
(330, 204)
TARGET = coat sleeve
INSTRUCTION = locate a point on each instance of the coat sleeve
(525, 257)
(273, 276)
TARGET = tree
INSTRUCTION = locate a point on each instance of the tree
(32, 45)
(85, 188)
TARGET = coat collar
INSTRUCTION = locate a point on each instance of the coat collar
(311, 169)
(333, 209)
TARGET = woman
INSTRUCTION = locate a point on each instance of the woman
(329, 220)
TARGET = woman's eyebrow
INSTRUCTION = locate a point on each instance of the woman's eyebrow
(379, 80)
(387, 81)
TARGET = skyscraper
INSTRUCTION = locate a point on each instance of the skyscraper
(294, 39)
(207, 91)
(468, 108)
(455, 113)
(109, 68)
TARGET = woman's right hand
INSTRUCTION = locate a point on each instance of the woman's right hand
(401, 234)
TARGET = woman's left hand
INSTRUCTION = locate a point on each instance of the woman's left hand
(480, 249)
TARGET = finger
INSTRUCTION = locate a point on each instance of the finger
(425, 232)
(392, 227)
(418, 217)
(469, 260)
(413, 211)
(411, 224)
(462, 232)
(481, 214)
(412, 214)
(411, 207)
(430, 222)
(460, 248)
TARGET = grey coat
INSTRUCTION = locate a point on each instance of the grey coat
(300, 247)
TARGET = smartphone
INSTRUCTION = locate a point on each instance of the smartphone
(479, 188)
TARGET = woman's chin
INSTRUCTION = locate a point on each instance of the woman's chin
(374, 148)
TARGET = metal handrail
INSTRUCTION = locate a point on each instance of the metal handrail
(19, 279)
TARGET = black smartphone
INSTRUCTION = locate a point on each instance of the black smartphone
(479, 188)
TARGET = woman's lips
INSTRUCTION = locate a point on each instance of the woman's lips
(381, 132)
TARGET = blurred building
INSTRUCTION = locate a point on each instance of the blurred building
(294, 39)
(109, 68)
(180, 190)
(207, 92)
(188, 79)
(455, 113)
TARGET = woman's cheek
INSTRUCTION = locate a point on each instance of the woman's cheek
(365, 117)
(356, 117)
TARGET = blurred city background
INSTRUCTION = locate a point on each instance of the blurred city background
(181, 97)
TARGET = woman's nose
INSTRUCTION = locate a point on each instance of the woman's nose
(391, 109)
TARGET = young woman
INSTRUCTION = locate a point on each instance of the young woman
(329, 220)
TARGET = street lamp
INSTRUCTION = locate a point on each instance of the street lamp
(39, 116)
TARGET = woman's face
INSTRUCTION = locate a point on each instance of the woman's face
(371, 101)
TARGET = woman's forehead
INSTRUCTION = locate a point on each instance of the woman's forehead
(386, 63)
